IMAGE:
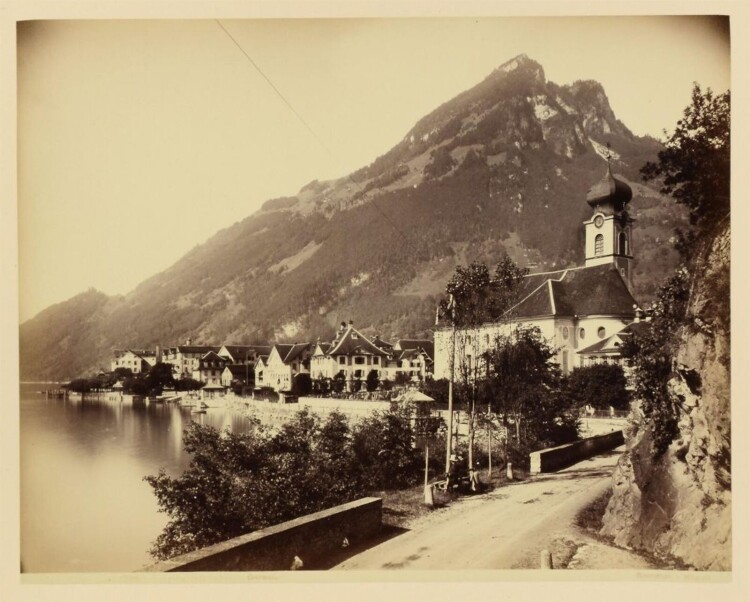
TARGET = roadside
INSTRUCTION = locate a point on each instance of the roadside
(505, 528)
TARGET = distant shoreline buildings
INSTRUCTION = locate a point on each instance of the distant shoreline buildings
(585, 313)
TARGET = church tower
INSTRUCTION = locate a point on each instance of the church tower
(609, 231)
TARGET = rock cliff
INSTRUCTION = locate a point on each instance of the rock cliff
(678, 504)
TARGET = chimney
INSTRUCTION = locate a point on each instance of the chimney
(342, 328)
(189, 340)
(158, 354)
(351, 323)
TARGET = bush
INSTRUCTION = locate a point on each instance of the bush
(600, 386)
(236, 484)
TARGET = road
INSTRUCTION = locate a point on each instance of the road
(503, 529)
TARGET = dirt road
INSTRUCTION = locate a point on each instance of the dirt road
(503, 529)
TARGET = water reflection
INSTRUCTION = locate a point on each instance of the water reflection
(84, 504)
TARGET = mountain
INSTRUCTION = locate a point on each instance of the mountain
(501, 168)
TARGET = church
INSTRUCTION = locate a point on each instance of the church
(585, 313)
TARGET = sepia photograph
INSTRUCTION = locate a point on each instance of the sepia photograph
(375, 296)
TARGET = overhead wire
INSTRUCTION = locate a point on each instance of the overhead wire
(311, 131)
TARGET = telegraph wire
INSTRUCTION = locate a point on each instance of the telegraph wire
(309, 129)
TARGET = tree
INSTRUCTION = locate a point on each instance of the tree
(600, 385)
(474, 298)
(322, 386)
(187, 384)
(80, 385)
(339, 382)
(236, 484)
(650, 352)
(401, 378)
(123, 373)
(523, 386)
(695, 165)
(302, 384)
(159, 376)
(372, 380)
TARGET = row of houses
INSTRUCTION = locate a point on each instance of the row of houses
(586, 313)
(351, 356)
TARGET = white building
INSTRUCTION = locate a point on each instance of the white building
(283, 363)
(575, 309)
(352, 354)
(185, 359)
(136, 360)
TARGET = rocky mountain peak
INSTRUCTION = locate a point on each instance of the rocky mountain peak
(522, 63)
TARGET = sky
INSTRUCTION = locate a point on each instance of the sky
(138, 140)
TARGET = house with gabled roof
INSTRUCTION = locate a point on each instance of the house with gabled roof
(413, 357)
(136, 360)
(352, 354)
(185, 359)
(578, 310)
(284, 362)
(243, 354)
(209, 369)
(237, 374)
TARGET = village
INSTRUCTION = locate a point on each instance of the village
(585, 313)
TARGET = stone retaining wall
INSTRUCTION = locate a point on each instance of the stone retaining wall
(310, 538)
(556, 458)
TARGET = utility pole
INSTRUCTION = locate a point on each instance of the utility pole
(449, 441)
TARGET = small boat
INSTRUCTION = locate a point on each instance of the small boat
(204, 405)
(198, 411)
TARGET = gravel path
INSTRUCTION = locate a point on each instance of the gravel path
(507, 528)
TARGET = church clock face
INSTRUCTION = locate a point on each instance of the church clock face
(598, 221)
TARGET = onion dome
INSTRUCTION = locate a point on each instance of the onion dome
(609, 191)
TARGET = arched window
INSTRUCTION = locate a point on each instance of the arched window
(623, 243)
(581, 334)
(601, 332)
(599, 245)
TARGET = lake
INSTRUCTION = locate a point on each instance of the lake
(84, 504)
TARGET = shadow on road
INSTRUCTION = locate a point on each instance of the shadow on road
(386, 533)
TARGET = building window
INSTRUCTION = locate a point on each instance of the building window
(342, 360)
(581, 333)
(599, 245)
(601, 332)
(358, 374)
(359, 360)
(376, 361)
(623, 243)
(565, 332)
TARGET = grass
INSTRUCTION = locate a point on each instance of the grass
(590, 518)
(403, 506)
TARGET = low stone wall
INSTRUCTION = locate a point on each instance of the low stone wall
(556, 458)
(311, 538)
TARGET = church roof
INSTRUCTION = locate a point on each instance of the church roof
(610, 190)
(586, 291)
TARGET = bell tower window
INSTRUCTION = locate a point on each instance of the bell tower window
(623, 243)
(599, 245)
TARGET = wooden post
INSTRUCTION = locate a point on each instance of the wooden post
(449, 442)
(426, 463)
(546, 560)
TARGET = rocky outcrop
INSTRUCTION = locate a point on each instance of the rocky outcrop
(679, 504)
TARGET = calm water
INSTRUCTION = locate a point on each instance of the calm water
(84, 504)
